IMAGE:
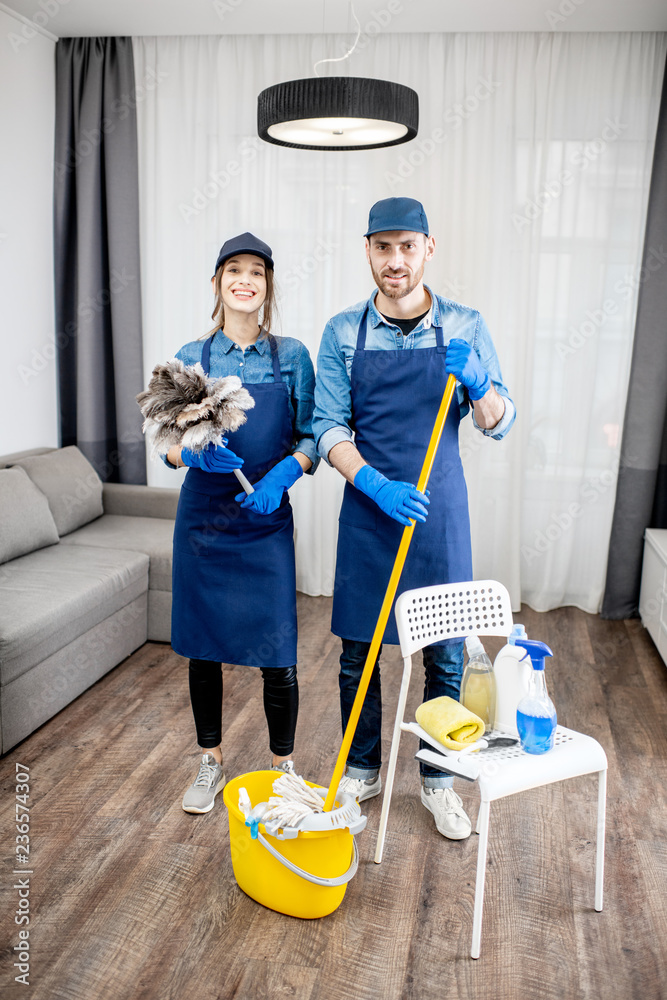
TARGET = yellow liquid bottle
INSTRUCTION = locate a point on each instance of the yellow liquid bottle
(478, 685)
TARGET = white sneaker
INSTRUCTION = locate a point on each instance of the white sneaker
(361, 788)
(451, 818)
(287, 767)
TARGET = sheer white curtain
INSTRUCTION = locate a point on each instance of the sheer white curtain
(533, 162)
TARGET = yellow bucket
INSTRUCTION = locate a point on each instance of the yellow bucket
(329, 856)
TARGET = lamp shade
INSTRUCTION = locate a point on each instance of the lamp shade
(337, 112)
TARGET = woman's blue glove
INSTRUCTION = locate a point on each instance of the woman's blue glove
(461, 360)
(402, 501)
(269, 490)
(214, 458)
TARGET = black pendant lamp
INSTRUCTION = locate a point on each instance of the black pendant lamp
(337, 112)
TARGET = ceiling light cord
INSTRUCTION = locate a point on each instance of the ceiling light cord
(349, 52)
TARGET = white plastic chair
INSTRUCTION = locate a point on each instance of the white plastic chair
(483, 607)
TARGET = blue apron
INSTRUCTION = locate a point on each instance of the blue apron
(395, 398)
(234, 579)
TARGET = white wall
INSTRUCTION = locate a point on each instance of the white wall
(28, 401)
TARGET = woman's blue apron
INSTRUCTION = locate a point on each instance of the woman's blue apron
(234, 579)
(395, 399)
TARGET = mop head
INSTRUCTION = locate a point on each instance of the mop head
(183, 406)
(293, 801)
(297, 806)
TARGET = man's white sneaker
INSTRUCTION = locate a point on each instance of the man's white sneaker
(361, 788)
(451, 818)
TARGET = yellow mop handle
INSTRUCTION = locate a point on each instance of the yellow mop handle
(392, 587)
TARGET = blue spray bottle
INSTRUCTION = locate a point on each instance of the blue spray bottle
(536, 713)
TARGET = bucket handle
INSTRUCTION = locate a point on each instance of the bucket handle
(316, 879)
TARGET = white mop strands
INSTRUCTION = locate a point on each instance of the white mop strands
(298, 807)
(293, 801)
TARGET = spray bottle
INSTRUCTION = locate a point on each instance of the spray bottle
(512, 671)
(536, 713)
(478, 685)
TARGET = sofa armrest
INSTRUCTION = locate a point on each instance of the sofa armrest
(139, 501)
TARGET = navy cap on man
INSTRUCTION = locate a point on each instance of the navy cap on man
(397, 214)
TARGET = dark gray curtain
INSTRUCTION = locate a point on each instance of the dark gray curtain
(97, 277)
(641, 488)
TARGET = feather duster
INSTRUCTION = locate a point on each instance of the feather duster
(183, 406)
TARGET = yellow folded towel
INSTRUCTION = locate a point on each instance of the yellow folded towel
(449, 722)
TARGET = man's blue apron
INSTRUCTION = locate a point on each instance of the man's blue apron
(234, 580)
(395, 399)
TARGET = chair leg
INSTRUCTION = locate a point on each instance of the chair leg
(599, 848)
(483, 829)
(393, 757)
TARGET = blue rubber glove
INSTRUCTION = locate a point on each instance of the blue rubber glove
(402, 501)
(214, 458)
(270, 488)
(461, 360)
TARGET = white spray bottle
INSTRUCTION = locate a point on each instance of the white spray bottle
(513, 670)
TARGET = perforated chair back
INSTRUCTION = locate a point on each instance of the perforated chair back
(452, 611)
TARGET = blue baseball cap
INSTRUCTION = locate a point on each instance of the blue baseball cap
(245, 243)
(397, 214)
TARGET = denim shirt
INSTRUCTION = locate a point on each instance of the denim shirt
(254, 365)
(332, 420)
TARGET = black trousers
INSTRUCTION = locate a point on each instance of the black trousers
(281, 704)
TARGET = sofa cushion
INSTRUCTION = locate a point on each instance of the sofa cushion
(50, 597)
(70, 484)
(26, 521)
(152, 535)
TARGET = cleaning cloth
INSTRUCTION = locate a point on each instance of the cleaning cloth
(449, 722)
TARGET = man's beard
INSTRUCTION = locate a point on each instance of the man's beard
(396, 291)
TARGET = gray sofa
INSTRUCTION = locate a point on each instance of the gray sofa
(85, 579)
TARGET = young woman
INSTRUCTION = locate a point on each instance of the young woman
(234, 583)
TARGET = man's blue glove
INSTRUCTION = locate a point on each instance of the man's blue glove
(461, 360)
(270, 488)
(402, 501)
(214, 458)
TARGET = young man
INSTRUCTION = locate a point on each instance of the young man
(382, 369)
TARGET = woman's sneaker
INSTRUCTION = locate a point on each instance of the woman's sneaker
(200, 796)
(286, 766)
(361, 788)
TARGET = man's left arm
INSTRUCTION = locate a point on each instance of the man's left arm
(477, 368)
(489, 410)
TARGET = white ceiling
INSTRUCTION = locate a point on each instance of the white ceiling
(242, 17)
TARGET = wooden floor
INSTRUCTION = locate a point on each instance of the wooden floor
(132, 899)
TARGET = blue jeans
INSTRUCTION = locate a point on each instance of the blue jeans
(443, 667)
